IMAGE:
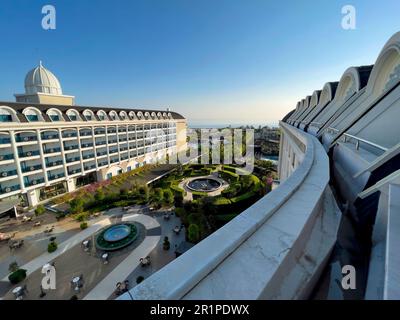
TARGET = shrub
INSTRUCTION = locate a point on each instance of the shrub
(40, 210)
(230, 176)
(166, 244)
(168, 197)
(193, 233)
(13, 266)
(77, 205)
(83, 225)
(17, 276)
(52, 246)
(81, 217)
(139, 279)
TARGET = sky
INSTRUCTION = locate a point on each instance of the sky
(213, 61)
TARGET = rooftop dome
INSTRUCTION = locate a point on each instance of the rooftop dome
(41, 80)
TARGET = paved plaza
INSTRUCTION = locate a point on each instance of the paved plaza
(99, 279)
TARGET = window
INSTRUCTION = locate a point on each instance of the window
(73, 115)
(54, 117)
(32, 117)
(5, 118)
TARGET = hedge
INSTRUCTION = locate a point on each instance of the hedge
(227, 175)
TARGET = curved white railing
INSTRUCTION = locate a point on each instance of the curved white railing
(253, 255)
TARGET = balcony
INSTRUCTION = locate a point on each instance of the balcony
(5, 157)
(51, 150)
(86, 145)
(52, 177)
(74, 171)
(28, 154)
(101, 143)
(112, 141)
(86, 134)
(74, 159)
(25, 138)
(87, 168)
(5, 140)
(8, 189)
(51, 164)
(8, 173)
(102, 164)
(99, 132)
(50, 136)
(111, 131)
(88, 156)
(34, 182)
(100, 154)
(272, 250)
(113, 151)
(31, 168)
(69, 135)
(114, 160)
(73, 147)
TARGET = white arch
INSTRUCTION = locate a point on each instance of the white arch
(102, 115)
(132, 115)
(7, 112)
(386, 71)
(123, 115)
(113, 115)
(31, 112)
(71, 113)
(88, 115)
(53, 112)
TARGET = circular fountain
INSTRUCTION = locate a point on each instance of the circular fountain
(204, 184)
(116, 236)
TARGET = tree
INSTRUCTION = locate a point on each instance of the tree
(193, 233)
(99, 195)
(77, 205)
(144, 192)
(40, 210)
(168, 197)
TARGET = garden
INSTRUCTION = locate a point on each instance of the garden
(202, 215)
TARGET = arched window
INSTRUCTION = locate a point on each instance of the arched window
(54, 115)
(132, 115)
(140, 115)
(102, 115)
(89, 115)
(113, 115)
(164, 115)
(169, 115)
(73, 115)
(7, 114)
(147, 115)
(32, 114)
(123, 115)
(153, 116)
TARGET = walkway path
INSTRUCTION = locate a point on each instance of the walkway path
(46, 257)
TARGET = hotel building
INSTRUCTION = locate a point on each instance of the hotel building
(49, 146)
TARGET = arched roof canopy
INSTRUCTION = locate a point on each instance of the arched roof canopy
(315, 98)
(386, 71)
(328, 93)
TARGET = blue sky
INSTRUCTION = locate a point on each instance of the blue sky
(214, 61)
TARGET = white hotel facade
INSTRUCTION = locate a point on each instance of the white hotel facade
(49, 146)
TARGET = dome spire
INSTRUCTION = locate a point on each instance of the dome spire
(40, 64)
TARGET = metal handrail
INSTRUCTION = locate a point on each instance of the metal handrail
(358, 140)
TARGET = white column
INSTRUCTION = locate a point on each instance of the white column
(17, 161)
(42, 156)
(80, 150)
(108, 147)
(64, 161)
(94, 147)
